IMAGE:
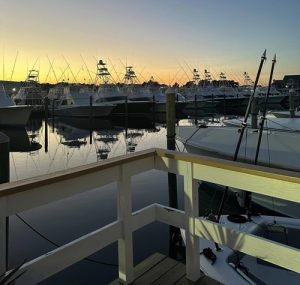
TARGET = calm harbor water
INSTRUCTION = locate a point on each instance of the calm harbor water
(72, 143)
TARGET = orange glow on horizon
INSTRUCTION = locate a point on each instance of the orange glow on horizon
(80, 69)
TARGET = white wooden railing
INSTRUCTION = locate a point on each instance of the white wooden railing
(24, 195)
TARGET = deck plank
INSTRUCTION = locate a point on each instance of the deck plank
(144, 266)
(159, 269)
(156, 272)
(172, 276)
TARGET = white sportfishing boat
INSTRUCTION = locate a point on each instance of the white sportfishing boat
(200, 99)
(285, 114)
(65, 106)
(284, 124)
(278, 149)
(30, 93)
(271, 147)
(10, 114)
(232, 267)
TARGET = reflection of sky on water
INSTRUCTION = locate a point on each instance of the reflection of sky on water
(73, 217)
(69, 147)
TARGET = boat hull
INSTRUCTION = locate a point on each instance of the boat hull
(226, 270)
(84, 111)
(278, 150)
(285, 114)
(15, 115)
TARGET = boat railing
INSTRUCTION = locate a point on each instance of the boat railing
(27, 194)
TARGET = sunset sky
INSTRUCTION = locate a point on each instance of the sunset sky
(162, 38)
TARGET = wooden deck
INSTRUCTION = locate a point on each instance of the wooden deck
(159, 269)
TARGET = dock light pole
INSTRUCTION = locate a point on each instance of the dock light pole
(172, 180)
(46, 103)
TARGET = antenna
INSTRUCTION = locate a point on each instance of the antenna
(13, 69)
(80, 69)
(114, 70)
(195, 72)
(69, 68)
(175, 77)
(3, 70)
(46, 78)
(63, 72)
(35, 63)
(87, 69)
(159, 78)
(188, 78)
(51, 67)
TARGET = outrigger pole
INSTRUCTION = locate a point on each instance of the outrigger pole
(243, 127)
(244, 124)
(262, 122)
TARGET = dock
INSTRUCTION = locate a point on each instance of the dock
(159, 269)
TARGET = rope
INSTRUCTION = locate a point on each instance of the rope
(282, 126)
(192, 135)
(57, 245)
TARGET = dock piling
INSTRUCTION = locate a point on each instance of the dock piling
(172, 179)
(91, 118)
(126, 116)
(171, 121)
(46, 103)
(292, 102)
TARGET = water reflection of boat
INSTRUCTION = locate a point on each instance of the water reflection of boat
(132, 137)
(70, 133)
(130, 122)
(86, 123)
(104, 141)
(74, 143)
(20, 141)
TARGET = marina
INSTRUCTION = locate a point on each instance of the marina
(149, 143)
(59, 143)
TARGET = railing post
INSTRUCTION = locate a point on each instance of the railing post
(191, 211)
(125, 248)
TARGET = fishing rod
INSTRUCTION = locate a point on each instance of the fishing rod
(114, 69)
(247, 197)
(264, 111)
(244, 125)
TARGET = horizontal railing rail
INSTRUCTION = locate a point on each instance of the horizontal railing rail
(27, 194)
